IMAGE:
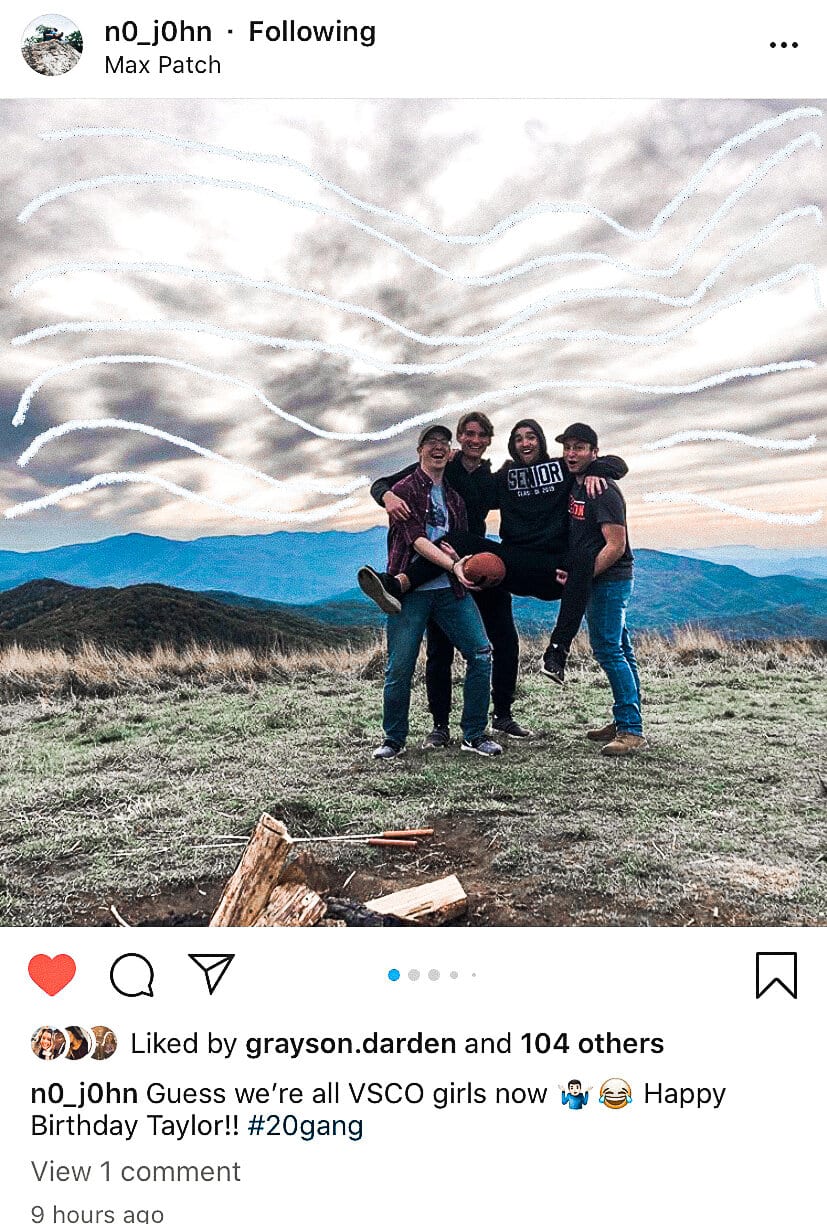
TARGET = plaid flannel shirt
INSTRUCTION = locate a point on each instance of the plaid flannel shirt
(416, 491)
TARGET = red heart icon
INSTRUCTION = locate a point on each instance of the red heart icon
(51, 973)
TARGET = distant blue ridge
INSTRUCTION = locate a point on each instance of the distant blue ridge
(286, 566)
(320, 567)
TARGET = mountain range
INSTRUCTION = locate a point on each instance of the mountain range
(47, 614)
(764, 561)
(311, 575)
(286, 566)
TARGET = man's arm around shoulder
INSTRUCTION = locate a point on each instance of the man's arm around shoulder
(611, 467)
(384, 484)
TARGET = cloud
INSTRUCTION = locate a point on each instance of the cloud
(455, 166)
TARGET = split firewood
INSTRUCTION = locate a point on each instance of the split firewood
(355, 914)
(248, 889)
(292, 905)
(429, 904)
(305, 869)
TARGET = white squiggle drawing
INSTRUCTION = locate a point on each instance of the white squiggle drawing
(508, 222)
(422, 418)
(727, 435)
(303, 484)
(190, 327)
(744, 512)
(497, 278)
(116, 478)
(447, 339)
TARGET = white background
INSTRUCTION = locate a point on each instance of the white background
(756, 1157)
(431, 49)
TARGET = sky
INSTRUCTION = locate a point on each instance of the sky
(292, 287)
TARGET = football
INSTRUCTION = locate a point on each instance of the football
(484, 569)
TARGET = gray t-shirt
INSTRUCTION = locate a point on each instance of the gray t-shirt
(437, 524)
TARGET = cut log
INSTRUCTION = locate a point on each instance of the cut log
(248, 889)
(429, 904)
(305, 869)
(354, 914)
(292, 905)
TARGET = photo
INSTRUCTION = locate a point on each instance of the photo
(48, 1043)
(52, 45)
(106, 1043)
(79, 1042)
(413, 513)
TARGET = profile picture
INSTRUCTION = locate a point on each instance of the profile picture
(48, 1043)
(80, 1042)
(52, 44)
(106, 1043)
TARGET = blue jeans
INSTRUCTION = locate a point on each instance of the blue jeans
(459, 619)
(612, 647)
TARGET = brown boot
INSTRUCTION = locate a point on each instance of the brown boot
(602, 735)
(624, 744)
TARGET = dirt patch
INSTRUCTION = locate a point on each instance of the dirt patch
(765, 878)
(192, 906)
(465, 844)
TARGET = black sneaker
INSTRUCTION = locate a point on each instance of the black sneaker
(553, 663)
(439, 737)
(388, 750)
(379, 588)
(482, 745)
(505, 724)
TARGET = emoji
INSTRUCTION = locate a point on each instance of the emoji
(615, 1093)
(573, 1094)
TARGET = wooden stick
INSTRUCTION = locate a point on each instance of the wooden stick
(372, 838)
(248, 889)
(120, 921)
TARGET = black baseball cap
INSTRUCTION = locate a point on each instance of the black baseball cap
(580, 433)
(430, 430)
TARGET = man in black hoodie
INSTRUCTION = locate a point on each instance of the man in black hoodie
(531, 492)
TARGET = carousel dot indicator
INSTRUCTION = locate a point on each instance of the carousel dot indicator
(394, 975)
(413, 975)
(433, 975)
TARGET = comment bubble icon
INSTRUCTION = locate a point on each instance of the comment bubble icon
(132, 975)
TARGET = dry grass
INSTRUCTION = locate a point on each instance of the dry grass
(693, 644)
(120, 777)
(95, 672)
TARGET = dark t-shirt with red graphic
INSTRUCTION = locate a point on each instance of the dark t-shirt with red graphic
(586, 518)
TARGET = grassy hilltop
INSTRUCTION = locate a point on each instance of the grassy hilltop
(119, 776)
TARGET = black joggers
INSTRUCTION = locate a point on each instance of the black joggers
(527, 572)
(495, 610)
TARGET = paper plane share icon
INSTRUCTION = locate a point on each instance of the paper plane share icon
(213, 967)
